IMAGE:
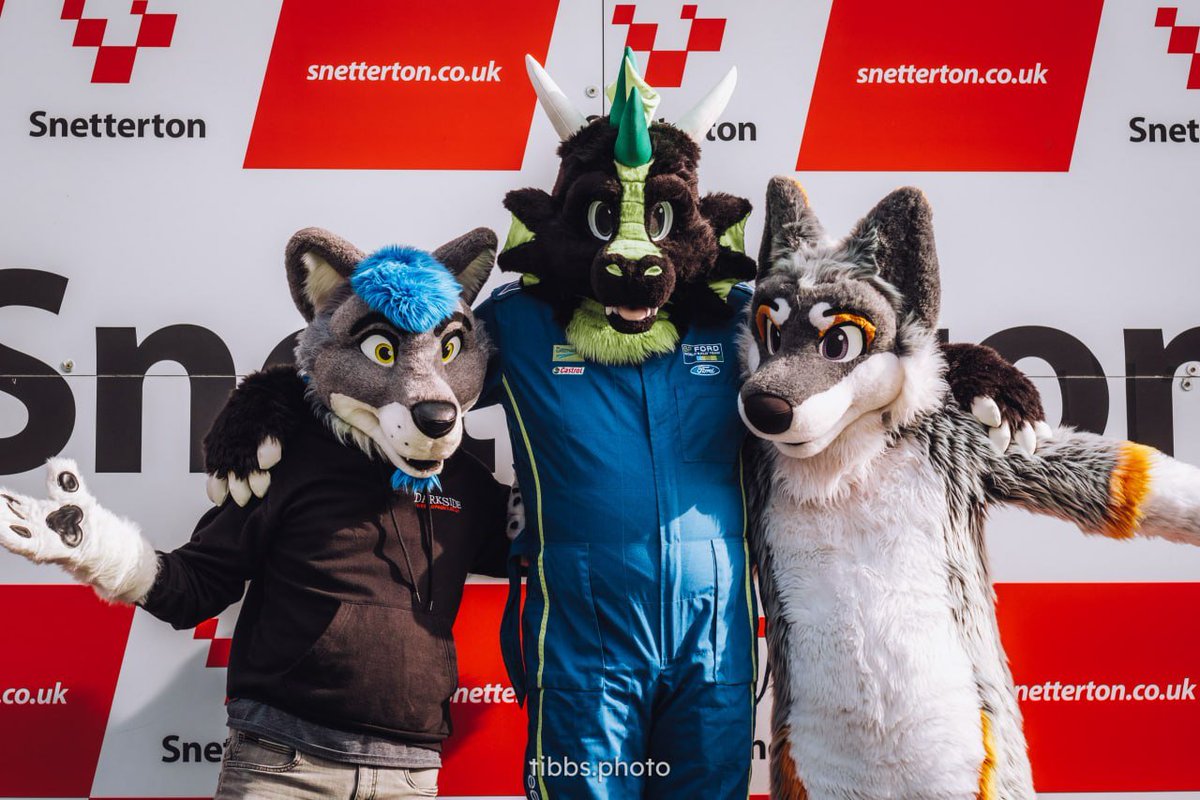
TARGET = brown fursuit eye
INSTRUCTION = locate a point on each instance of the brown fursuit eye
(661, 218)
(843, 342)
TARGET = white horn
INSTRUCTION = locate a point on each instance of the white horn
(564, 116)
(704, 114)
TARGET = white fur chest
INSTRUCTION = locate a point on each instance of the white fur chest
(885, 699)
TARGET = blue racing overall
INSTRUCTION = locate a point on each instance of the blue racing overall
(636, 646)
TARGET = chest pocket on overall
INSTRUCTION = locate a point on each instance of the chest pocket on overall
(709, 426)
(593, 416)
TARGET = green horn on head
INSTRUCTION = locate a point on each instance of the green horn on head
(633, 137)
(618, 102)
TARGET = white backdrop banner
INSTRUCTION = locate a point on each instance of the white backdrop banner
(156, 155)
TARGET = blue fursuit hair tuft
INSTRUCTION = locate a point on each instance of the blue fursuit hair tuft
(408, 286)
(403, 482)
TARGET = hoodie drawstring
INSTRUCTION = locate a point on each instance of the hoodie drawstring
(425, 520)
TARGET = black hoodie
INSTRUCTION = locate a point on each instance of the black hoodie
(345, 623)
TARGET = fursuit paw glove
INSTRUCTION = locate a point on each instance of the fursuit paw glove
(70, 529)
(246, 439)
(218, 487)
(1029, 436)
(998, 395)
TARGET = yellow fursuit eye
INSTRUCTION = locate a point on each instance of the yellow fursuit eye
(451, 347)
(379, 349)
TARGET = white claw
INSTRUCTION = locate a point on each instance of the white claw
(269, 453)
(1044, 432)
(239, 490)
(1027, 439)
(986, 411)
(1001, 437)
(217, 489)
(259, 482)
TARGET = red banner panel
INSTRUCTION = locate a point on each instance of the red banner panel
(486, 752)
(61, 654)
(399, 84)
(947, 85)
(1107, 674)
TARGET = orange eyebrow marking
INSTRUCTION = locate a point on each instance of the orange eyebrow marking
(760, 320)
(868, 328)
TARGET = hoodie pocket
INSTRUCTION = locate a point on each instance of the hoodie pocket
(380, 666)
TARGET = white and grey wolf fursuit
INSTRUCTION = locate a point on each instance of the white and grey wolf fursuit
(871, 490)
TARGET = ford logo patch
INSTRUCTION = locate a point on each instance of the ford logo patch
(706, 369)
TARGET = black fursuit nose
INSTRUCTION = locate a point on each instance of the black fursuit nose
(768, 413)
(434, 418)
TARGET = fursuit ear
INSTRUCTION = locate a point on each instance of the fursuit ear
(899, 234)
(317, 263)
(470, 259)
(531, 209)
(790, 223)
(728, 214)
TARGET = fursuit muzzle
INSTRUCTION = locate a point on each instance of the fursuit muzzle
(392, 355)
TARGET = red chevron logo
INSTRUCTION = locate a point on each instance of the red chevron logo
(1184, 41)
(218, 647)
(664, 67)
(114, 63)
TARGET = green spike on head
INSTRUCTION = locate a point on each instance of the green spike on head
(633, 137)
(621, 92)
(630, 57)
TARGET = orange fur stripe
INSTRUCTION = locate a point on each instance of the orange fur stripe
(867, 327)
(785, 782)
(760, 321)
(803, 191)
(1127, 490)
(987, 770)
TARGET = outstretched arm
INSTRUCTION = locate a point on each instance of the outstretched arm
(72, 530)
(1116, 488)
(109, 553)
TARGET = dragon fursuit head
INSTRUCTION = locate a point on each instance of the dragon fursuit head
(392, 357)
(625, 248)
(872, 488)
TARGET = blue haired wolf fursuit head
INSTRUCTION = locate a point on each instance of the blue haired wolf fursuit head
(873, 488)
(343, 654)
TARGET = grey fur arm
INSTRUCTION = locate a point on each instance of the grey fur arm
(1108, 486)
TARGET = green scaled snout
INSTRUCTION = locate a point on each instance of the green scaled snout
(633, 105)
